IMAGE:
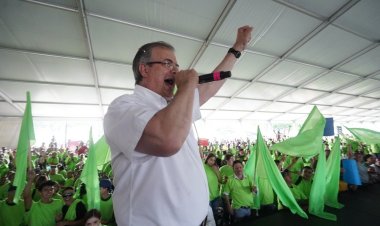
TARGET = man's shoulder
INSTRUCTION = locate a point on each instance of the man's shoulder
(121, 103)
(123, 99)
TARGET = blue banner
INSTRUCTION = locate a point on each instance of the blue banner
(351, 173)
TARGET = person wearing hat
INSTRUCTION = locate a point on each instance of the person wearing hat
(106, 204)
(10, 212)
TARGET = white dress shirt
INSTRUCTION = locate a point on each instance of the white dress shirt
(152, 190)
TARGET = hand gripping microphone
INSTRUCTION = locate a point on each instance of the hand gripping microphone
(215, 76)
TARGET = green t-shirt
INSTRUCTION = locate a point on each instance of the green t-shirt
(305, 187)
(226, 171)
(240, 191)
(11, 214)
(71, 163)
(297, 193)
(69, 182)
(213, 183)
(43, 214)
(106, 209)
(63, 173)
(71, 213)
(53, 160)
(57, 178)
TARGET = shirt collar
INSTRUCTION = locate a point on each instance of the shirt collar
(236, 177)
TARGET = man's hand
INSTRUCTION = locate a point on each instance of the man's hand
(186, 79)
(243, 37)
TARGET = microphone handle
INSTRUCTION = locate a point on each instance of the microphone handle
(215, 76)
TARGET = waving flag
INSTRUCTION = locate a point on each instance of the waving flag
(332, 176)
(90, 177)
(266, 168)
(365, 135)
(318, 189)
(103, 152)
(309, 139)
(25, 140)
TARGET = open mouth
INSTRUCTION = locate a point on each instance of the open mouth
(169, 81)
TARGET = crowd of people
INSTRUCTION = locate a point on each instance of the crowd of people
(156, 167)
(232, 194)
(54, 194)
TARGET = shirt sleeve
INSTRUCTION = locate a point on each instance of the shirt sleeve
(124, 125)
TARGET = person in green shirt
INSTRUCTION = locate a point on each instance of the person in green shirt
(106, 205)
(44, 212)
(10, 212)
(305, 181)
(73, 211)
(39, 179)
(54, 176)
(226, 172)
(53, 159)
(70, 180)
(241, 190)
(71, 161)
(213, 179)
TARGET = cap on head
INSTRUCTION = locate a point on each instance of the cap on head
(105, 183)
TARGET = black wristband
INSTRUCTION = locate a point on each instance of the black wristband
(236, 53)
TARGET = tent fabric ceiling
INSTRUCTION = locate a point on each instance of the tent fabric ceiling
(75, 56)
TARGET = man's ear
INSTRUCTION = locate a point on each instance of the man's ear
(144, 69)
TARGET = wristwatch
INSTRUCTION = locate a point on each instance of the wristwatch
(236, 53)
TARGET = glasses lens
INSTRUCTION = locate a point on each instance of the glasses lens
(67, 195)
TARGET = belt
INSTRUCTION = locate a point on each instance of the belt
(245, 207)
(204, 222)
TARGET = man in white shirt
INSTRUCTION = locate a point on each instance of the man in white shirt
(158, 173)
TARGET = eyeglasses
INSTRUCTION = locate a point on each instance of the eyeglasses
(167, 63)
(67, 195)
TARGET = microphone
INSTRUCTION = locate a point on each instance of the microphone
(215, 76)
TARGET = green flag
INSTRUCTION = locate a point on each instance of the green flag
(332, 176)
(103, 152)
(250, 171)
(25, 140)
(90, 177)
(307, 143)
(365, 135)
(318, 189)
(268, 168)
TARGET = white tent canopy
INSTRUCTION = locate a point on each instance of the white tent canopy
(75, 56)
